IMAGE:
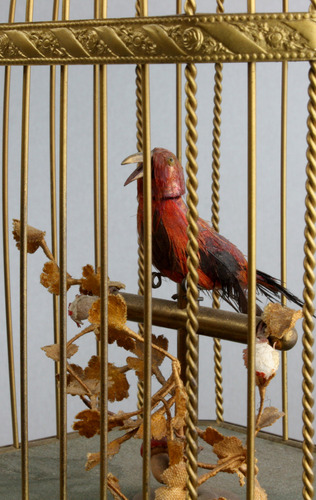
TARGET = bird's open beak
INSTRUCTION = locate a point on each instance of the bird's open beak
(138, 172)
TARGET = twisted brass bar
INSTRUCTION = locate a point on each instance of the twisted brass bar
(139, 146)
(215, 218)
(192, 278)
(308, 293)
(5, 229)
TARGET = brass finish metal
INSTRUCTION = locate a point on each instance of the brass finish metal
(147, 271)
(215, 218)
(222, 324)
(53, 202)
(285, 419)
(192, 308)
(139, 146)
(308, 293)
(5, 232)
(23, 270)
(63, 268)
(251, 272)
(167, 39)
(104, 273)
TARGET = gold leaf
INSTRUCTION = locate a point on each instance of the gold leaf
(260, 493)
(93, 460)
(137, 365)
(178, 420)
(175, 451)
(90, 280)
(229, 447)
(114, 447)
(165, 493)
(88, 423)
(34, 236)
(158, 426)
(269, 416)
(50, 277)
(279, 319)
(176, 475)
(118, 389)
(117, 311)
(161, 341)
(212, 436)
(52, 351)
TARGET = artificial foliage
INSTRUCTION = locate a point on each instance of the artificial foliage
(169, 403)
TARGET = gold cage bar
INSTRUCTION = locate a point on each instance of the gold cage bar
(238, 40)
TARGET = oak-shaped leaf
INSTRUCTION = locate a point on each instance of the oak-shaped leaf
(86, 385)
(50, 277)
(34, 237)
(260, 493)
(118, 388)
(212, 436)
(117, 314)
(137, 363)
(158, 427)
(269, 415)
(88, 423)
(175, 477)
(90, 280)
(53, 351)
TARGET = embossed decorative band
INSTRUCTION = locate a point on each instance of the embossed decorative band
(170, 39)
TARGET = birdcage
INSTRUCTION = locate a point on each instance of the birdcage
(70, 74)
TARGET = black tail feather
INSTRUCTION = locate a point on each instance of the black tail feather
(272, 289)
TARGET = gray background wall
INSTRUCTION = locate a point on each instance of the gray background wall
(123, 205)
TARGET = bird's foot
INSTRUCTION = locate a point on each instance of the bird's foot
(156, 280)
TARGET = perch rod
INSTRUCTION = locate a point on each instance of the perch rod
(221, 324)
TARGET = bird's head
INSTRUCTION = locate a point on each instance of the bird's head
(167, 173)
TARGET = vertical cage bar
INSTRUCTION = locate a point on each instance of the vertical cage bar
(192, 278)
(139, 147)
(182, 302)
(251, 271)
(104, 273)
(215, 218)
(285, 419)
(63, 266)
(309, 293)
(147, 271)
(23, 269)
(5, 229)
(53, 202)
(96, 151)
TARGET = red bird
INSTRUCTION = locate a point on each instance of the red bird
(221, 265)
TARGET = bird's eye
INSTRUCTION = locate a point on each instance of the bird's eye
(170, 161)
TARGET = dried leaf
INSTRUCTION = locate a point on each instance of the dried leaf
(88, 423)
(175, 451)
(161, 341)
(178, 420)
(268, 417)
(93, 459)
(260, 493)
(137, 365)
(75, 388)
(165, 493)
(279, 319)
(90, 280)
(34, 236)
(117, 311)
(212, 436)
(158, 426)
(118, 389)
(52, 351)
(114, 487)
(50, 277)
(176, 475)
(114, 447)
(228, 447)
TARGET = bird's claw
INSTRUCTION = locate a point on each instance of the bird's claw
(156, 276)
